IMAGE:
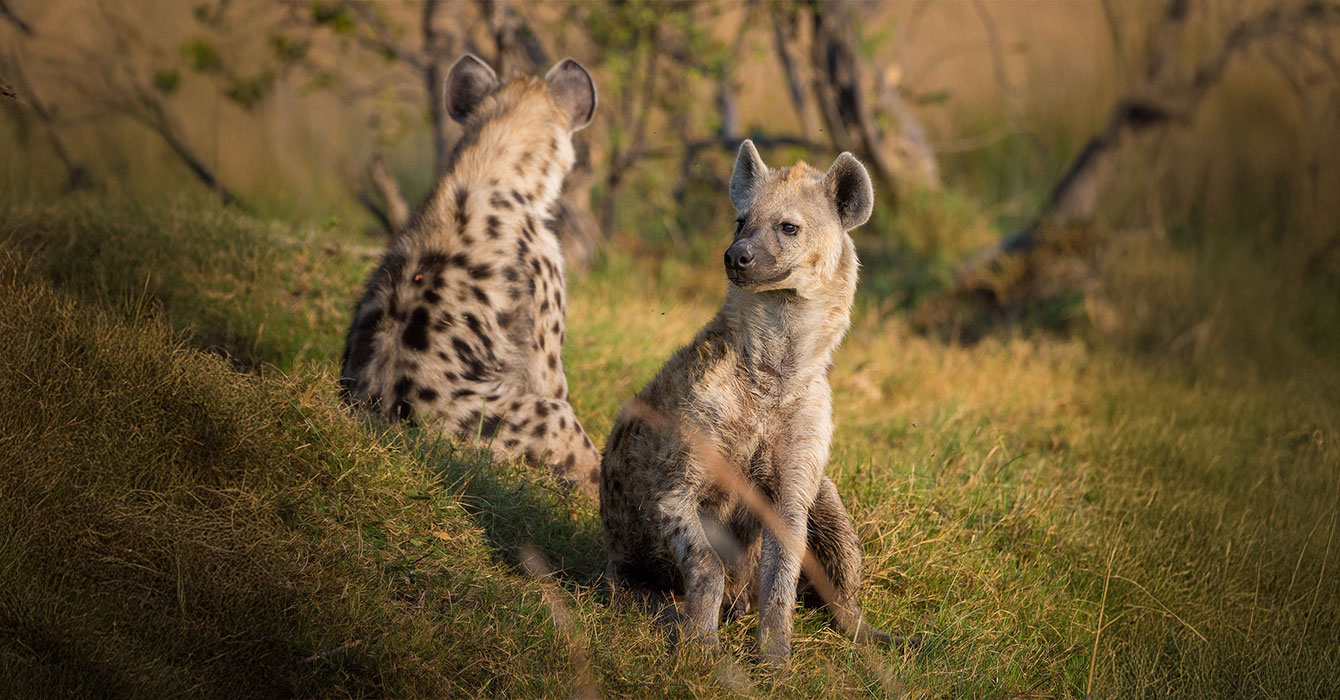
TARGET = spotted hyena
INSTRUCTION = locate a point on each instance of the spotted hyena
(461, 326)
(748, 402)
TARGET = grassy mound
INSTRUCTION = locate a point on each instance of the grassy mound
(171, 527)
(185, 510)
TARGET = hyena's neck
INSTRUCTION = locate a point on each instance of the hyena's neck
(510, 163)
(788, 335)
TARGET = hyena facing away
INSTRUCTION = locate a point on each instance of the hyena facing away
(749, 396)
(461, 326)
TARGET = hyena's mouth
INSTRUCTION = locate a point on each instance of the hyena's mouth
(743, 280)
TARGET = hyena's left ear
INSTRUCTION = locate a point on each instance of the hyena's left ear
(848, 185)
(574, 90)
(469, 81)
(746, 178)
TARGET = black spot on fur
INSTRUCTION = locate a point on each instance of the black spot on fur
(517, 196)
(490, 426)
(431, 297)
(481, 271)
(415, 336)
(511, 442)
(433, 262)
(511, 274)
(478, 329)
(359, 347)
(462, 214)
(531, 457)
(480, 295)
(474, 369)
(499, 201)
(539, 430)
(494, 226)
(470, 423)
(392, 266)
(553, 361)
(462, 393)
(427, 394)
(400, 395)
(551, 225)
(542, 409)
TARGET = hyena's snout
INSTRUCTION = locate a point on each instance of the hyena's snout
(749, 263)
(740, 256)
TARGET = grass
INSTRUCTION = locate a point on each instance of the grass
(186, 511)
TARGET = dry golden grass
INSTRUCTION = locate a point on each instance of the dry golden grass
(176, 526)
(1143, 505)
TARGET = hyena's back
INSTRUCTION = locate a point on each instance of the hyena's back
(461, 326)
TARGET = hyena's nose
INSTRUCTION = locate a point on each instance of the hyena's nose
(739, 256)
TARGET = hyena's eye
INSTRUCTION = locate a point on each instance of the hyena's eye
(739, 225)
(789, 228)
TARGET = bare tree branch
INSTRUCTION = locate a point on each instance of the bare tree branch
(382, 40)
(14, 19)
(1172, 102)
(397, 209)
(77, 176)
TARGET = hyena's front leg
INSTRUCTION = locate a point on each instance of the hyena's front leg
(702, 570)
(798, 467)
(779, 572)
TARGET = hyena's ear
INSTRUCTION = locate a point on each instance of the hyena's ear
(469, 81)
(746, 180)
(848, 185)
(574, 90)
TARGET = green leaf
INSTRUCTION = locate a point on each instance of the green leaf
(247, 91)
(286, 49)
(202, 56)
(334, 16)
(167, 81)
(933, 98)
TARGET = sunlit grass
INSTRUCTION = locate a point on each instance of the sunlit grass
(255, 525)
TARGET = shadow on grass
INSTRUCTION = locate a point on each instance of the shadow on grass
(518, 507)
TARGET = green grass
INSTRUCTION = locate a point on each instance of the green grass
(185, 510)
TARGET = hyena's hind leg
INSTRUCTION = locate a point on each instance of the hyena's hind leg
(537, 429)
(833, 540)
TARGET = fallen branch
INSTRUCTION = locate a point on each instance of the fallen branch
(1074, 200)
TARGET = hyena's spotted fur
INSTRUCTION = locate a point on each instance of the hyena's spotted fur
(750, 395)
(462, 324)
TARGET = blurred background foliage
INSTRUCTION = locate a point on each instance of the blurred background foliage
(1027, 151)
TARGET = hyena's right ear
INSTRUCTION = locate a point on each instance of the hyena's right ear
(469, 81)
(746, 180)
(574, 90)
